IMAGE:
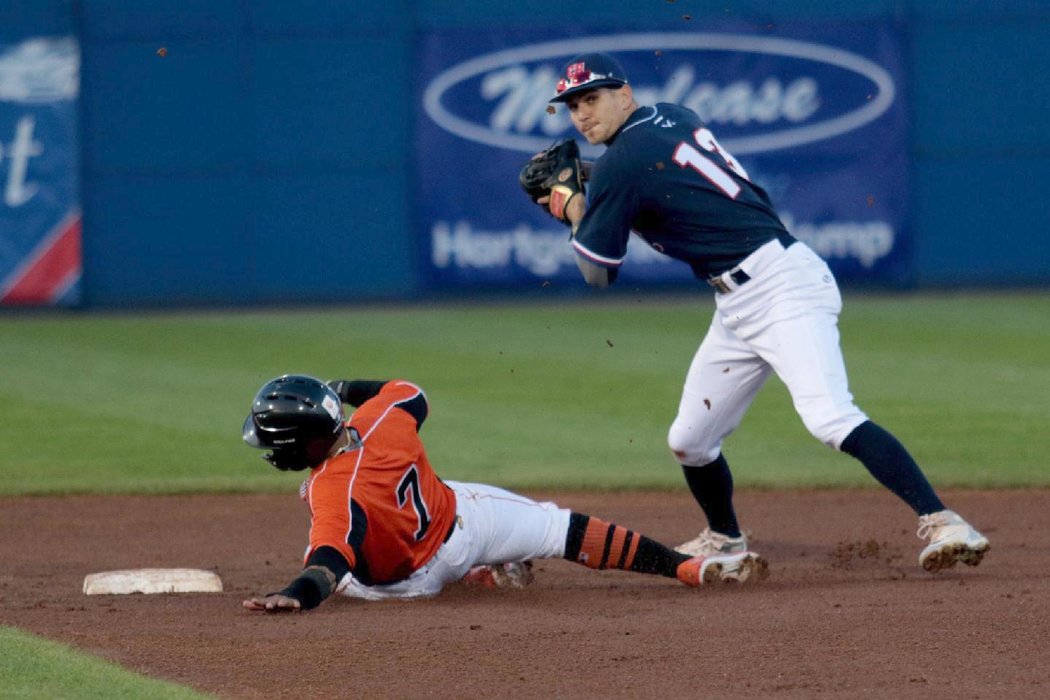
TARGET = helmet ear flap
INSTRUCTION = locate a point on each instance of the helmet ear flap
(287, 460)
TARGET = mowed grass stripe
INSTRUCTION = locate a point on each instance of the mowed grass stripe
(537, 395)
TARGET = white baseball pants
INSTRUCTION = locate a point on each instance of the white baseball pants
(783, 320)
(494, 526)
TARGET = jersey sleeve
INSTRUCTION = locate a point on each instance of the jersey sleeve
(408, 397)
(331, 517)
(405, 395)
(601, 238)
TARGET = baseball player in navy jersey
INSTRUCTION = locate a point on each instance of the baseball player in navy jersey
(664, 177)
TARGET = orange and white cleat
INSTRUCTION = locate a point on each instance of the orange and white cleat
(741, 567)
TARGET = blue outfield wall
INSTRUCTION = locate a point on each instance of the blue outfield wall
(261, 159)
(238, 152)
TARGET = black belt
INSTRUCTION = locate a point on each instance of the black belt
(448, 535)
(738, 276)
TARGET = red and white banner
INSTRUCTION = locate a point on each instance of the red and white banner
(47, 274)
(40, 222)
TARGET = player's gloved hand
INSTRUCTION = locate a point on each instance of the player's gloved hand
(552, 177)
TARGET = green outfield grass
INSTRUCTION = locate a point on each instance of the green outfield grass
(525, 395)
(31, 668)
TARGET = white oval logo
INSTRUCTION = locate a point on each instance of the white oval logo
(520, 112)
(38, 71)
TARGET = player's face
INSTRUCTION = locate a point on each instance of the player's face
(597, 114)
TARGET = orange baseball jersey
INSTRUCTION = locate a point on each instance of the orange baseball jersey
(379, 503)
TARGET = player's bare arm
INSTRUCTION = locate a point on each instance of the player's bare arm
(553, 179)
(595, 275)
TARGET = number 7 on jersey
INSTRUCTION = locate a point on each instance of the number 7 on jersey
(410, 484)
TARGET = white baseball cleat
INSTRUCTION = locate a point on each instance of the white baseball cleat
(952, 540)
(723, 568)
(715, 546)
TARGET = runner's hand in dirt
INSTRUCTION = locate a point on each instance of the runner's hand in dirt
(273, 603)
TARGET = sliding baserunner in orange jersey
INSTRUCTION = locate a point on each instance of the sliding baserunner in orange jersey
(383, 525)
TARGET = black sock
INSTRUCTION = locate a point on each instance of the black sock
(599, 544)
(892, 466)
(655, 558)
(712, 487)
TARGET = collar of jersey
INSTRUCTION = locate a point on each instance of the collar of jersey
(355, 442)
(638, 116)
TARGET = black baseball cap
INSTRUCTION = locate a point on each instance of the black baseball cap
(587, 72)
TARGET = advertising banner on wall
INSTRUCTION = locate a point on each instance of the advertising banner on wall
(814, 113)
(40, 253)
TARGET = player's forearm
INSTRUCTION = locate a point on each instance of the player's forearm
(355, 392)
(310, 588)
(324, 569)
(575, 209)
(595, 275)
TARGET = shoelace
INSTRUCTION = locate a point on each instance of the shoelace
(705, 540)
(713, 542)
(928, 523)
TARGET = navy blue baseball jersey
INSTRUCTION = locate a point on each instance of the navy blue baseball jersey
(665, 176)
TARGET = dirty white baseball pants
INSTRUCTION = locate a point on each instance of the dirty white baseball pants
(783, 320)
(494, 526)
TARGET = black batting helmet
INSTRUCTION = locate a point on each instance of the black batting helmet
(298, 418)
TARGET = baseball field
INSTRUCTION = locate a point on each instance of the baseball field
(121, 449)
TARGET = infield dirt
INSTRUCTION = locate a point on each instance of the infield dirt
(846, 611)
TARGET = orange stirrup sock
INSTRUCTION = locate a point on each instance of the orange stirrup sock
(600, 545)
